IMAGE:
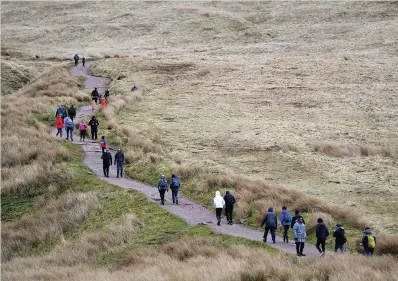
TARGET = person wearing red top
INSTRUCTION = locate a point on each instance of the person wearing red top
(60, 125)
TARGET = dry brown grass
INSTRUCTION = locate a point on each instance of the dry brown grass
(56, 217)
(335, 150)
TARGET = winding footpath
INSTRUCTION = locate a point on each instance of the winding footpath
(188, 210)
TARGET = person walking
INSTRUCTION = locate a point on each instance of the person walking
(340, 239)
(299, 236)
(322, 232)
(76, 59)
(83, 129)
(296, 216)
(229, 206)
(103, 102)
(84, 61)
(119, 162)
(106, 95)
(103, 144)
(95, 95)
(270, 221)
(162, 187)
(219, 205)
(175, 187)
(69, 127)
(106, 162)
(94, 127)
(60, 125)
(368, 242)
(60, 111)
(72, 112)
(286, 221)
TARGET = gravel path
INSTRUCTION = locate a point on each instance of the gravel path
(188, 210)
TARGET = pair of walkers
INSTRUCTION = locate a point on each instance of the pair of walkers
(93, 123)
(66, 123)
(174, 186)
(76, 59)
(219, 202)
(64, 112)
(107, 162)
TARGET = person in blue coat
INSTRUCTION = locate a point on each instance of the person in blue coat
(286, 220)
(299, 236)
(76, 59)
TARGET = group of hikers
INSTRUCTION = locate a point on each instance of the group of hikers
(163, 186)
(76, 59)
(96, 97)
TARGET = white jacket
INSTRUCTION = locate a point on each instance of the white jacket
(218, 200)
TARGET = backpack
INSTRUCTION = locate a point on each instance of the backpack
(286, 218)
(371, 242)
(69, 123)
(163, 184)
(175, 182)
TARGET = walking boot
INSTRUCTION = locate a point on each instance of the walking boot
(177, 202)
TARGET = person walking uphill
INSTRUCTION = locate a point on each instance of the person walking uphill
(271, 224)
(119, 162)
(368, 242)
(322, 232)
(219, 205)
(340, 239)
(72, 112)
(299, 236)
(60, 125)
(162, 187)
(95, 95)
(94, 127)
(175, 188)
(69, 127)
(82, 129)
(286, 220)
(76, 59)
(106, 162)
(229, 206)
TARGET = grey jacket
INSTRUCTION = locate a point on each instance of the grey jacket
(299, 232)
(270, 220)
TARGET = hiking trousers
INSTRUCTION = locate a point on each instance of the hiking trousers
(285, 235)
(106, 170)
(94, 131)
(369, 251)
(76, 62)
(59, 132)
(218, 215)
(119, 169)
(320, 242)
(272, 230)
(69, 131)
(82, 134)
(299, 247)
(162, 192)
(228, 212)
(174, 193)
(339, 247)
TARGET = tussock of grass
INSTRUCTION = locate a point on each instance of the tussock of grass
(50, 222)
(335, 150)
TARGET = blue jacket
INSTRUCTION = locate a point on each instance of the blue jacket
(270, 220)
(299, 232)
(285, 218)
(229, 199)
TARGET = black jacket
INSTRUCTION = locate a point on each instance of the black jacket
(229, 199)
(94, 123)
(72, 112)
(106, 159)
(94, 93)
(322, 231)
(339, 234)
(296, 217)
(119, 157)
(270, 220)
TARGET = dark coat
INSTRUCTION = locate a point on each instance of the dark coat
(94, 123)
(119, 157)
(95, 93)
(229, 199)
(72, 112)
(106, 159)
(295, 218)
(270, 220)
(321, 231)
(339, 234)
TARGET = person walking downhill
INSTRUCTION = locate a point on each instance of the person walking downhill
(219, 205)
(271, 223)
(322, 232)
(60, 125)
(72, 112)
(84, 61)
(229, 206)
(83, 129)
(175, 188)
(119, 162)
(60, 111)
(103, 144)
(340, 239)
(286, 220)
(162, 187)
(106, 162)
(296, 216)
(95, 95)
(368, 242)
(94, 127)
(76, 59)
(299, 236)
(69, 127)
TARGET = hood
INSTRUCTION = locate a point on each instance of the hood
(284, 211)
(322, 224)
(270, 209)
(218, 193)
(367, 231)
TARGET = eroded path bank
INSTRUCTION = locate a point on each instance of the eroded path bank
(188, 210)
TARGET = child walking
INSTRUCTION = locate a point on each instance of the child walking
(60, 125)
(103, 144)
(82, 129)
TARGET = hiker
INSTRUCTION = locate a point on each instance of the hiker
(106, 95)
(119, 162)
(94, 127)
(162, 187)
(106, 162)
(299, 236)
(368, 242)
(95, 95)
(76, 59)
(60, 125)
(229, 206)
(82, 129)
(218, 204)
(134, 88)
(60, 111)
(271, 224)
(175, 187)
(296, 216)
(72, 112)
(69, 127)
(322, 232)
(340, 239)
(103, 102)
(84, 61)
(286, 220)
(103, 144)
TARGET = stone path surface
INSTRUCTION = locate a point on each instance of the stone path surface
(188, 210)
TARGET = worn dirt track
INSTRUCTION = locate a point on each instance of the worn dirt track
(188, 210)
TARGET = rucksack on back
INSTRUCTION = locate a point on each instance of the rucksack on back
(371, 242)
(175, 182)
(286, 218)
(69, 123)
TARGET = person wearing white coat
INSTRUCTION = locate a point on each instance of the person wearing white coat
(218, 204)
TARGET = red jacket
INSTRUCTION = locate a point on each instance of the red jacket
(60, 123)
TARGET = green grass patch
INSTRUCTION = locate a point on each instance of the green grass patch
(15, 206)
